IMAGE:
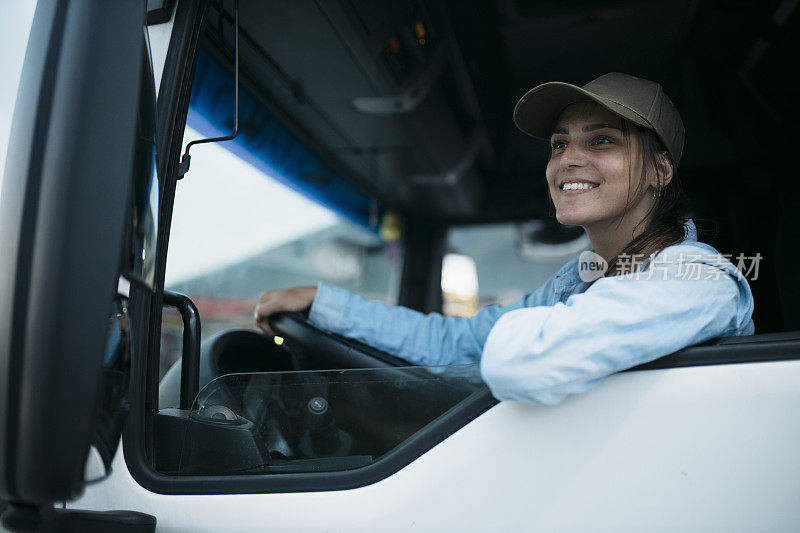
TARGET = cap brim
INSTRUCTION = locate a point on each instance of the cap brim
(538, 110)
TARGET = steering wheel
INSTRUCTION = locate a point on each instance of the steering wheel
(343, 352)
(242, 350)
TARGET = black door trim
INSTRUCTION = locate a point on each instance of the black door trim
(732, 350)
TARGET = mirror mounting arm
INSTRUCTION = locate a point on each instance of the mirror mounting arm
(183, 167)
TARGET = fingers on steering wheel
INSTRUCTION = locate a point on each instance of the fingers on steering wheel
(264, 296)
(263, 325)
(267, 307)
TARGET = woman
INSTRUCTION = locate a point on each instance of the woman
(615, 146)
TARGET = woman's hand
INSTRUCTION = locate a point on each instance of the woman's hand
(278, 301)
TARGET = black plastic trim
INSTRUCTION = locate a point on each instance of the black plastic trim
(172, 107)
(422, 266)
(783, 346)
(20, 221)
(159, 11)
(391, 463)
(190, 362)
(20, 517)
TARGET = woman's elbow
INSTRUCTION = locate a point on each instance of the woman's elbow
(514, 365)
(536, 387)
(508, 382)
(498, 378)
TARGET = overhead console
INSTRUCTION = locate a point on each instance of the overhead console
(379, 89)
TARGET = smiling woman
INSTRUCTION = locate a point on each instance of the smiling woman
(595, 155)
(604, 134)
(615, 146)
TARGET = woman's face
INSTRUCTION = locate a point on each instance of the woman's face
(590, 167)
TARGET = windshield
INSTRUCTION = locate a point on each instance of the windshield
(237, 231)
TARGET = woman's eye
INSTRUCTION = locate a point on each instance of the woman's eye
(603, 140)
(558, 145)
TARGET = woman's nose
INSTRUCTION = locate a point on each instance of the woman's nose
(572, 156)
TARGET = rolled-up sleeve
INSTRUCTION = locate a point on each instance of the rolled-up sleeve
(542, 354)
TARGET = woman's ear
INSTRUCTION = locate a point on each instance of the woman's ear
(664, 171)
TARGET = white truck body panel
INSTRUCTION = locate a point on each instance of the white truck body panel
(710, 448)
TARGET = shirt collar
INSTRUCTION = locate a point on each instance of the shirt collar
(689, 231)
(570, 270)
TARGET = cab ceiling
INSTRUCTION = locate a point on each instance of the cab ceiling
(428, 127)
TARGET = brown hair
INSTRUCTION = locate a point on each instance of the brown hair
(669, 211)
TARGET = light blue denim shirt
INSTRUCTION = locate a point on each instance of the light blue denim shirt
(562, 338)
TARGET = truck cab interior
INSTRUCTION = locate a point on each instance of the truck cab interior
(411, 103)
(390, 126)
(403, 110)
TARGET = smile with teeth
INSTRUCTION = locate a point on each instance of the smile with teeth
(574, 186)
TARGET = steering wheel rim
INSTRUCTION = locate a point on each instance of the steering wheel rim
(345, 353)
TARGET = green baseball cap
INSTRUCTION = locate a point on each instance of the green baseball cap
(642, 102)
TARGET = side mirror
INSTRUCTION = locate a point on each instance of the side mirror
(63, 211)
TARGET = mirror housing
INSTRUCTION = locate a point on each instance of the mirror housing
(64, 206)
